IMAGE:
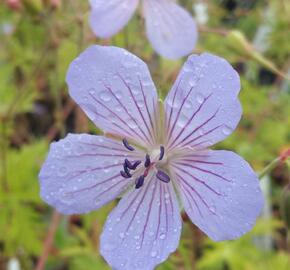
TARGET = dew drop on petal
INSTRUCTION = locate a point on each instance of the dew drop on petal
(162, 236)
(132, 124)
(109, 246)
(62, 171)
(200, 98)
(227, 130)
(121, 235)
(181, 122)
(118, 95)
(153, 254)
(105, 96)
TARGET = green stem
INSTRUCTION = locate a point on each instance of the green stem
(4, 180)
(269, 167)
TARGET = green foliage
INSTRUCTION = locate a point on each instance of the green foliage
(20, 219)
(37, 45)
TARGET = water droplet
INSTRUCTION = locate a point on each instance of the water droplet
(162, 236)
(153, 254)
(182, 121)
(92, 91)
(109, 246)
(188, 104)
(121, 235)
(62, 171)
(105, 96)
(132, 124)
(166, 195)
(118, 94)
(200, 98)
(227, 130)
(67, 145)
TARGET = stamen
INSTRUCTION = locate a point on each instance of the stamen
(147, 161)
(128, 163)
(126, 170)
(161, 152)
(136, 164)
(132, 166)
(164, 177)
(139, 181)
(127, 145)
(125, 175)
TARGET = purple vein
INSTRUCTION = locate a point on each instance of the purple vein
(202, 161)
(108, 189)
(105, 118)
(190, 120)
(173, 102)
(195, 130)
(178, 113)
(137, 209)
(159, 210)
(112, 112)
(146, 105)
(185, 190)
(197, 193)
(96, 184)
(126, 110)
(148, 214)
(93, 170)
(198, 180)
(200, 136)
(141, 114)
(203, 170)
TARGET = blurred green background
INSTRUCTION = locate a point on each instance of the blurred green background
(38, 40)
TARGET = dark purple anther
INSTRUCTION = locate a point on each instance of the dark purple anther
(164, 177)
(126, 170)
(161, 152)
(128, 164)
(139, 181)
(125, 175)
(136, 164)
(147, 161)
(127, 145)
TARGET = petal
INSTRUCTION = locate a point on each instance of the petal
(170, 28)
(220, 192)
(82, 173)
(202, 108)
(115, 89)
(109, 16)
(143, 229)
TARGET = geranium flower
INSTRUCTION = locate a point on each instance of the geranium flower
(151, 155)
(170, 28)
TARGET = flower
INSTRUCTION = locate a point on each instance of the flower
(152, 153)
(170, 28)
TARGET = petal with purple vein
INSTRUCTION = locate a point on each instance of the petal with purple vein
(220, 193)
(143, 229)
(82, 173)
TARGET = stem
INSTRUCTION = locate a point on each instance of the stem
(270, 167)
(4, 181)
(55, 220)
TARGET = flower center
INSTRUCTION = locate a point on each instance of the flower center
(140, 170)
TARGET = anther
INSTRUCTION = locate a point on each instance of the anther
(127, 145)
(164, 177)
(136, 164)
(128, 164)
(139, 181)
(126, 170)
(125, 175)
(161, 152)
(147, 161)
